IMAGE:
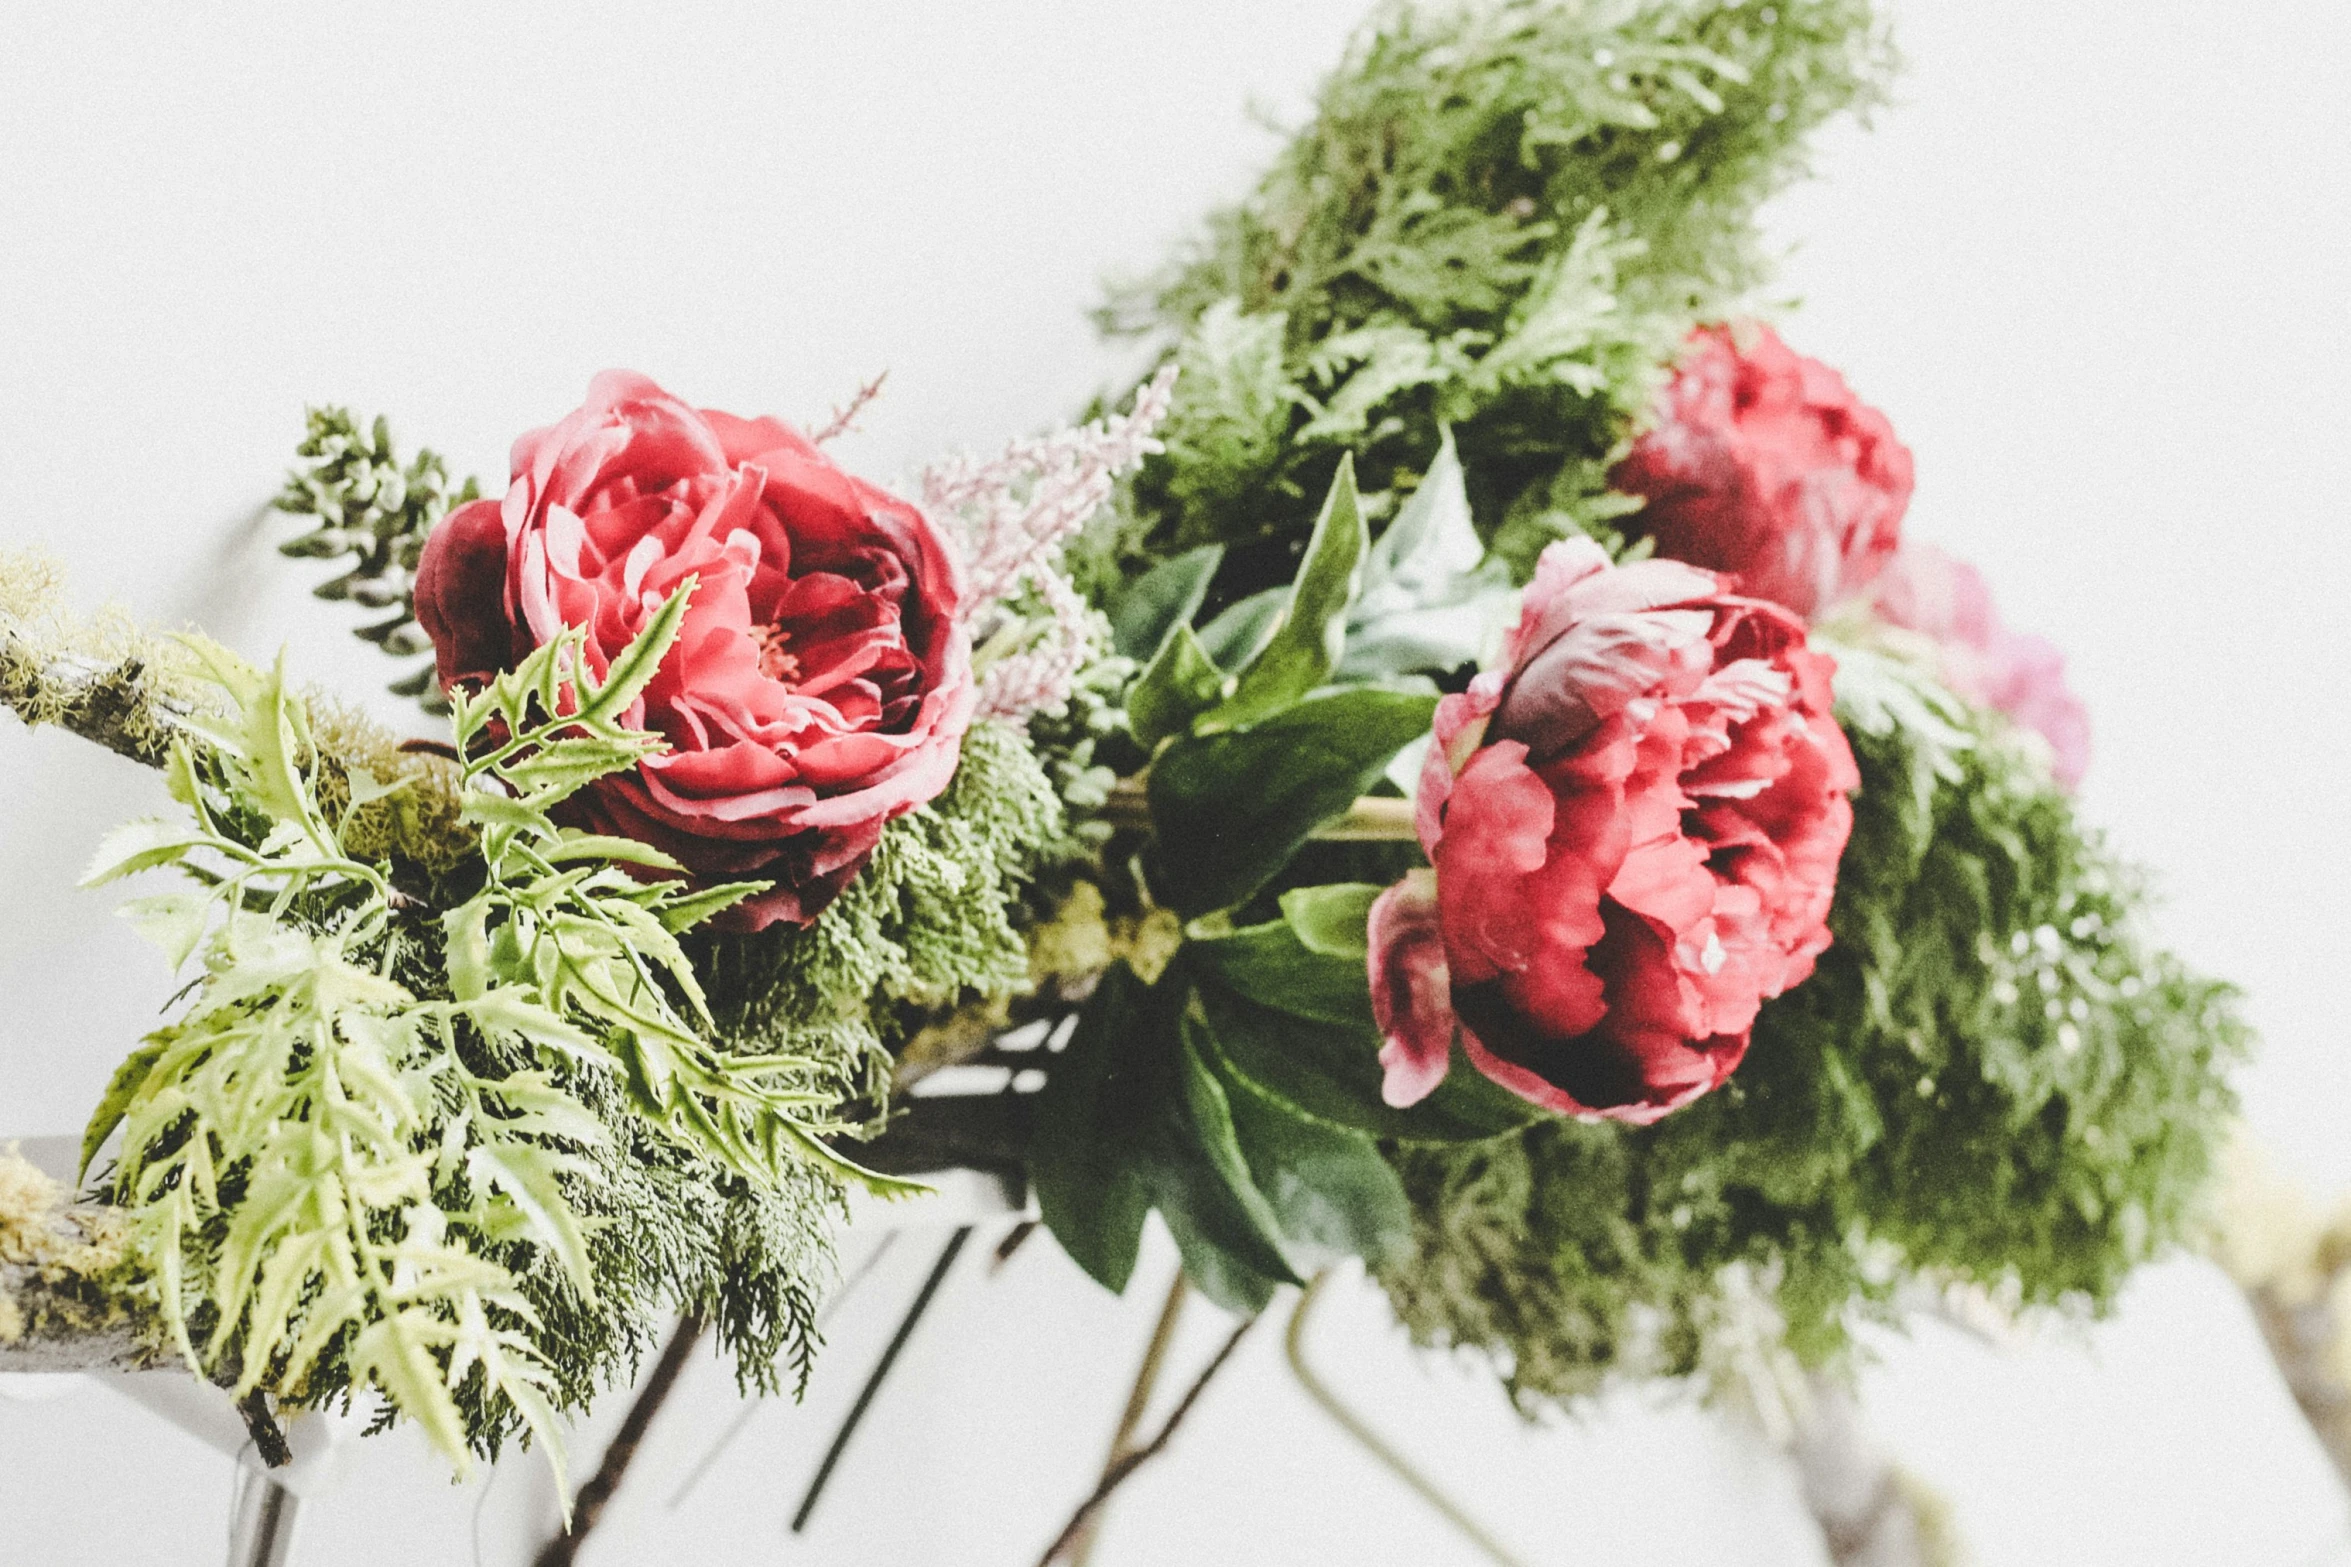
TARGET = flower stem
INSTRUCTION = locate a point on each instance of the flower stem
(1122, 1442)
(1294, 1346)
(1117, 1474)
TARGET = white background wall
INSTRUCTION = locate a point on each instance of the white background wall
(2093, 263)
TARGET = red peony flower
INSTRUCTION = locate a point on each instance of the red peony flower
(1946, 600)
(821, 683)
(1634, 826)
(1763, 464)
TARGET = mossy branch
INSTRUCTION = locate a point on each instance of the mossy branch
(68, 1300)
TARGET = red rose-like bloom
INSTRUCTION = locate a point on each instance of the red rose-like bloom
(1763, 464)
(1634, 826)
(821, 683)
(1946, 600)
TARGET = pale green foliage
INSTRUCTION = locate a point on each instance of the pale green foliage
(381, 1150)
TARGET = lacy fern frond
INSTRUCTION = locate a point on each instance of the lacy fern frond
(404, 1148)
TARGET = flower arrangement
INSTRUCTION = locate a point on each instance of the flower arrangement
(1463, 739)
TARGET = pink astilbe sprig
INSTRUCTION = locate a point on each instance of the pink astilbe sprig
(1041, 673)
(1014, 513)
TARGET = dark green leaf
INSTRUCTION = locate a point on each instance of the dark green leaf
(1231, 808)
(1332, 1072)
(1227, 1231)
(1305, 647)
(1269, 965)
(1163, 598)
(1088, 1162)
(1329, 1188)
(1181, 683)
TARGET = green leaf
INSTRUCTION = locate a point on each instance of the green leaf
(1270, 965)
(138, 846)
(1229, 809)
(397, 1351)
(681, 911)
(465, 948)
(1306, 646)
(497, 810)
(1331, 1071)
(566, 765)
(1151, 607)
(1431, 599)
(1178, 685)
(121, 1089)
(1224, 1227)
(1329, 1188)
(173, 921)
(636, 665)
(528, 1175)
(1239, 632)
(1333, 920)
(1087, 1161)
(574, 845)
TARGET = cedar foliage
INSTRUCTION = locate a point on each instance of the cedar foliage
(1502, 217)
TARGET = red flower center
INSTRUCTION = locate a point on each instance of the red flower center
(775, 661)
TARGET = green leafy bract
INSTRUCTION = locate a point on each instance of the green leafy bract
(1230, 809)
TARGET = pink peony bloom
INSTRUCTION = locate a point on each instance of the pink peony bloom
(1763, 464)
(1634, 826)
(821, 684)
(1946, 600)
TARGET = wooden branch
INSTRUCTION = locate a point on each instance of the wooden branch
(1130, 1420)
(119, 704)
(597, 1494)
(66, 1300)
(1118, 1473)
(2302, 1338)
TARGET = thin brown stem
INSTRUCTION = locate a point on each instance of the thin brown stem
(1130, 1420)
(844, 418)
(597, 1494)
(1118, 1473)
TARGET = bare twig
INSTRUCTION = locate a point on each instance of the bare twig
(1117, 1474)
(1871, 1512)
(844, 418)
(873, 1382)
(597, 1494)
(1130, 1420)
